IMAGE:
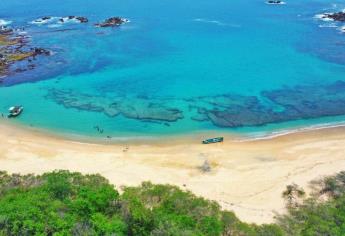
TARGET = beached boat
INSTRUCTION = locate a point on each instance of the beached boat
(15, 111)
(213, 140)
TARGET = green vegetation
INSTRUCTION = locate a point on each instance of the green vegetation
(64, 203)
(322, 214)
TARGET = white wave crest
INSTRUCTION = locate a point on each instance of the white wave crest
(342, 29)
(216, 22)
(271, 135)
(64, 20)
(54, 25)
(323, 17)
(45, 20)
(4, 22)
(328, 25)
(54, 21)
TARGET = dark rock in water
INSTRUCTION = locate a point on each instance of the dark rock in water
(46, 18)
(31, 66)
(49, 19)
(112, 22)
(19, 70)
(4, 30)
(42, 20)
(82, 19)
(337, 16)
(40, 51)
(275, 2)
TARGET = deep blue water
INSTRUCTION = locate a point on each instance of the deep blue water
(179, 67)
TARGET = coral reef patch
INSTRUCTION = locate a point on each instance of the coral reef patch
(229, 110)
(133, 108)
(300, 102)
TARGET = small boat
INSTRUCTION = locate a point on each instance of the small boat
(213, 140)
(15, 111)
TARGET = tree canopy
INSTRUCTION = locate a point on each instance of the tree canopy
(65, 203)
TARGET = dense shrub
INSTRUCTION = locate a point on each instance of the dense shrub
(64, 203)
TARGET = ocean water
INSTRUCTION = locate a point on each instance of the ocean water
(179, 67)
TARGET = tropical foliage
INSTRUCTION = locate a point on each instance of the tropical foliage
(323, 214)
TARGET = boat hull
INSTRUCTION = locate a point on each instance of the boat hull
(213, 140)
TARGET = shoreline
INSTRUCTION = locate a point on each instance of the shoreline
(246, 177)
(194, 137)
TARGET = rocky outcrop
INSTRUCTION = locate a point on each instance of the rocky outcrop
(275, 2)
(60, 20)
(40, 51)
(4, 30)
(338, 16)
(82, 19)
(112, 22)
(14, 49)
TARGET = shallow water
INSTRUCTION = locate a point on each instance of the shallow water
(177, 64)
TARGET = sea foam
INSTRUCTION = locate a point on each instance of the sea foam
(54, 21)
(4, 22)
(271, 135)
(41, 21)
(216, 22)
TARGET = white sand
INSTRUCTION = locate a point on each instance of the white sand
(246, 177)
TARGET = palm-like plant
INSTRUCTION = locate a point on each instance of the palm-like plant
(292, 193)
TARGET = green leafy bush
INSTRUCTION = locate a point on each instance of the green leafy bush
(65, 203)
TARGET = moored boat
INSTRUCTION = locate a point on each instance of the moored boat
(15, 111)
(213, 140)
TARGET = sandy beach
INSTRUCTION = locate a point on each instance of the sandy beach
(247, 177)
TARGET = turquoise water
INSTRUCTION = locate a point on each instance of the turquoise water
(177, 64)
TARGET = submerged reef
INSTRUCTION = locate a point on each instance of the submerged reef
(287, 104)
(232, 110)
(133, 108)
(229, 110)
